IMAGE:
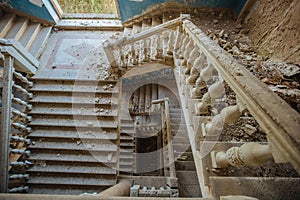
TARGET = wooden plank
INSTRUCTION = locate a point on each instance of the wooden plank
(6, 121)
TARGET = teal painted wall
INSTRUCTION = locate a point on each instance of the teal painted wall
(26, 7)
(129, 8)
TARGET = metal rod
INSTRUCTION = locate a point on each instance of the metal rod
(5, 122)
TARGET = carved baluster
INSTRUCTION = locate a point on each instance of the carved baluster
(178, 41)
(23, 115)
(153, 47)
(21, 89)
(21, 127)
(19, 176)
(183, 45)
(20, 151)
(198, 64)
(19, 189)
(194, 54)
(228, 115)
(159, 48)
(205, 75)
(171, 43)
(20, 139)
(23, 79)
(147, 50)
(165, 39)
(22, 103)
(133, 55)
(249, 154)
(188, 49)
(214, 91)
(123, 60)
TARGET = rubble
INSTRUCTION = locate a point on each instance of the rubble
(282, 78)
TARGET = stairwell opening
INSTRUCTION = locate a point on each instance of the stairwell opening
(148, 125)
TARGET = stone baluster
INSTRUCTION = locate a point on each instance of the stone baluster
(23, 79)
(249, 154)
(198, 64)
(19, 189)
(214, 92)
(21, 127)
(23, 115)
(123, 60)
(171, 43)
(22, 103)
(133, 55)
(159, 48)
(178, 41)
(20, 151)
(228, 115)
(147, 50)
(21, 89)
(184, 44)
(165, 40)
(194, 54)
(153, 46)
(20, 139)
(205, 75)
(19, 176)
(188, 49)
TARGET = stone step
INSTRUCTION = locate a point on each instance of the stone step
(42, 156)
(93, 180)
(71, 169)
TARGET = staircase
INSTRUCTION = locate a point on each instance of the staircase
(74, 135)
(32, 35)
(127, 147)
(188, 184)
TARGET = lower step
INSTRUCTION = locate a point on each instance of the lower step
(66, 179)
(65, 190)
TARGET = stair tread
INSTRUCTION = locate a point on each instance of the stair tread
(79, 122)
(30, 34)
(5, 23)
(75, 145)
(73, 135)
(72, 99)
(18, 27)
(69, 75)
(61, 109)
(63, 157)
(72, 88)
(40, 41)
(64, 180)
(71, 169)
